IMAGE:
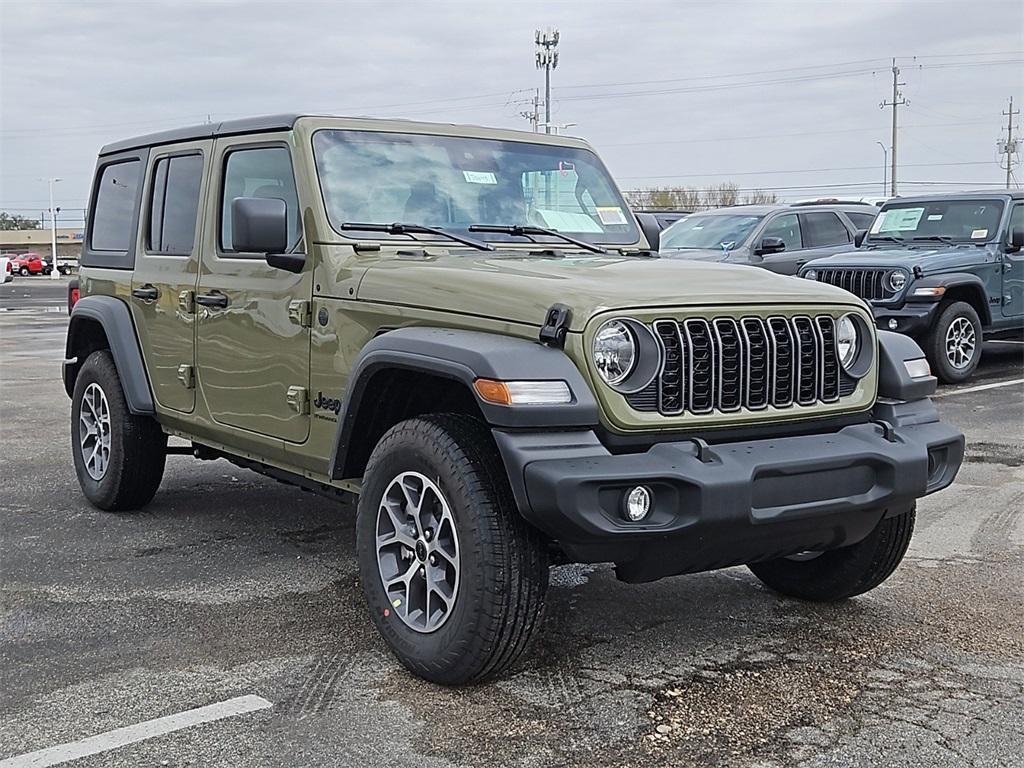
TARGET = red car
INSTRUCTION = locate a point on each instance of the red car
(26, 264)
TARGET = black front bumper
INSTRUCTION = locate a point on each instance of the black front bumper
(912, 318)
(729, 503)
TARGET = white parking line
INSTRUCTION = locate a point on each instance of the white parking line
(1004, 341)
(980, 388)
(131, 734)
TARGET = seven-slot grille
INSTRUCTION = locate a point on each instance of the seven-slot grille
(727, 364)
(870, 284)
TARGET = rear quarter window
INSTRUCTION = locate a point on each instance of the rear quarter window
(115, 207)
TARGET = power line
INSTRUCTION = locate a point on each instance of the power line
(803, 170)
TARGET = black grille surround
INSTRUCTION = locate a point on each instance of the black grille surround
(869, 283)
(727, 364)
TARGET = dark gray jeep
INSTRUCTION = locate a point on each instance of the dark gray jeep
(946, 269)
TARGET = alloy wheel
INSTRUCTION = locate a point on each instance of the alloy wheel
(418, 552)
(961, 342)
(94, 431)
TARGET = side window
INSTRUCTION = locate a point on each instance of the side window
(786, 227)
(174, 204)
(824, 228)
(1016, 218)
(115, 203)
(259, 172)
(861, 220)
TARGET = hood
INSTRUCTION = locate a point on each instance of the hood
(931, 259)
(521, 288)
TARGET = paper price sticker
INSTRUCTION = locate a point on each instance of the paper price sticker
(611, 215)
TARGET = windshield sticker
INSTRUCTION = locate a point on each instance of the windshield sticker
(566, 221)
(564, 166)
(611, 215)
(479, 177)
(979, 234)
(934, 217)
(897, 220)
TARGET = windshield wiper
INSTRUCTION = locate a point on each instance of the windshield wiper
(891, 238)
(528, 230)
(407, 229)
(937, 238)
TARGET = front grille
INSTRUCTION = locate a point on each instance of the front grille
(728, 364)
(870, 284)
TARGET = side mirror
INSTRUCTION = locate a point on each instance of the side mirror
(260, 225)
(858, 237)
(1016, 240)
(770, 245)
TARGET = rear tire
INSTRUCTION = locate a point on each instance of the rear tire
(838, 574)
(490, 564)
(953, 345)
(23, 272)
(119, 457)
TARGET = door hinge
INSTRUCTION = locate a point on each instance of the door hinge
(298, 399)
(187, 302)
(186, 375)
(300, 313)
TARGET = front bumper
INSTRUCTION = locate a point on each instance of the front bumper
(912, 318)
(729, 503)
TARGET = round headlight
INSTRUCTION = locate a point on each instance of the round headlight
(811, 274)
(614, 351)
(897, 280)
(847, 341)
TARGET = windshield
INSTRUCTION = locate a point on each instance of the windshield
(974, 221)
(724, 230)
(454, 182)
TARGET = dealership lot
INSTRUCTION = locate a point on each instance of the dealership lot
(231, 588)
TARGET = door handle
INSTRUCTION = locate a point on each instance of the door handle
(216, 300)
(146, 293)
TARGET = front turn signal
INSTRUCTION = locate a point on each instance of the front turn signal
(523, 392)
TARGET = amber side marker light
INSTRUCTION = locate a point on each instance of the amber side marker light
(523, 392)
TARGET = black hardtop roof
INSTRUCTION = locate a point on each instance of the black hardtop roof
(759, 209)
(205, 131)
(974, 194)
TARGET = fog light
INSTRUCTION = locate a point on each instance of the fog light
(893, 324)
(637, 503)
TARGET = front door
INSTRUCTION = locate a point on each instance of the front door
(166, 268)
(253, 319)
(787, 228)
(1013, 269)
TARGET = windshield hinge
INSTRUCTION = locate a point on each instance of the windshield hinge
(556, 326)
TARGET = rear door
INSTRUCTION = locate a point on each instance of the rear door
(253, 320)
(1013, 269)
(166, 269)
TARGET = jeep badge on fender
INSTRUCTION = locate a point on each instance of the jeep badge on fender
(514, 378)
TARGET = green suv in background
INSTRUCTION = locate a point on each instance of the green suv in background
(465, 328)
(947, 270)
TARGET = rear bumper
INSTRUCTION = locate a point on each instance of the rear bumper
(738, 502)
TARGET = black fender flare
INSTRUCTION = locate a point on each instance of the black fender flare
(949, 280)
(465, 356)
(115, 318)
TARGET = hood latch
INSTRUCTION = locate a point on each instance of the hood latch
(556, 326)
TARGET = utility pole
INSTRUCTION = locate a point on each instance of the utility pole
(1008, 146)
(547, 59)
(885, 166)
(54, 272)
(532, 115)
(897, 101)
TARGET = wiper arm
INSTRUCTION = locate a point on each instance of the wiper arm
(936, 238)
(891, 238)
(399, 228)
(528, 230)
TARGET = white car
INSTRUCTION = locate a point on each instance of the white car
(6, 270)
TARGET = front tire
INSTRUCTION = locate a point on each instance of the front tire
(953, 345)
(23, 272)
(839, 574)
(465, 575)
(119, 457)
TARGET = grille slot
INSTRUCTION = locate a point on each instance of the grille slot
(751, 362)
(870, 284)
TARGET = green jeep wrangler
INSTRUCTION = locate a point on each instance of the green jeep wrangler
(465, 328)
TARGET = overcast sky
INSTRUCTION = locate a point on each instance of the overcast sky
(775, 95)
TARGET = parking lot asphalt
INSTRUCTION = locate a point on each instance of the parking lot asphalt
(229, 585)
